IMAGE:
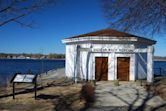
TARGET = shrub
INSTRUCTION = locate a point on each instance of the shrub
(88, 92)
(116, 82)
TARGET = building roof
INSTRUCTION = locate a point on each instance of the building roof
(106, 32)
(109, 35)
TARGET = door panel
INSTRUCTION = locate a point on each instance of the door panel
(101, 68)
(123, 67)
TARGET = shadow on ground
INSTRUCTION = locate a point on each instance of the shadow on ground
(45, 96)
(129, 105)
(26, 90)
(86, 98)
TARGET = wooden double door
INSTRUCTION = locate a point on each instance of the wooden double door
(123, 68)
(101, 68)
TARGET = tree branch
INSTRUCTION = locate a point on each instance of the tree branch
(12, 19)
(13, 10)
(135, 15)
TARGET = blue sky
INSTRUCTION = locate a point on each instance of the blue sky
(66, 19)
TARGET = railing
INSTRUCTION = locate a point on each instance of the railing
(159, 71)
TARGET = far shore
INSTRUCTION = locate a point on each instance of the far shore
(31, 59)
(159, 60)
(57, 59)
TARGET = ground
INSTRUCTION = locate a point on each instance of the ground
(55, 92)
(60, 94)
(128, 96)
(50, 97)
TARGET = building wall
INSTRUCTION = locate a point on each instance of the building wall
(70, 60)
(84, 65)
(141, 65)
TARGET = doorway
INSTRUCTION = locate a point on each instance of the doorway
(123, 68)
(101, 68)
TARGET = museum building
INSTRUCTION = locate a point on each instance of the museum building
(109, 55)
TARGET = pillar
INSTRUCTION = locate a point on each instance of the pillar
(77, 64)
(150, 64)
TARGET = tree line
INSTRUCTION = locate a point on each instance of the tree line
(160, 58)
(31, 56)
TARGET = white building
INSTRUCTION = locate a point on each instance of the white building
(109, 55)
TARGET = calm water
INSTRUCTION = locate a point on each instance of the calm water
(160, 67)
(10, 66)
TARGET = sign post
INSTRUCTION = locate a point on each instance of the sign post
(35, 89)
(13, 90)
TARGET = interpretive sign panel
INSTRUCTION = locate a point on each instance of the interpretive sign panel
(24, 78)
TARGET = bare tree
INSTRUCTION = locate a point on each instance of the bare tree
(16, 10)
(136, 15)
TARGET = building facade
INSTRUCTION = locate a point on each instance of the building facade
(109, 55)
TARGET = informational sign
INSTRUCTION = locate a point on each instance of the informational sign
(24, 78)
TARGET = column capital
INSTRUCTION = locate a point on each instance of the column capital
(150, 48)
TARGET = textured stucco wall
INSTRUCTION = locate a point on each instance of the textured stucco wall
(81, 63)
(141, 65)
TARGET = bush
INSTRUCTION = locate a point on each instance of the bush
(116, 82)
(88, 92)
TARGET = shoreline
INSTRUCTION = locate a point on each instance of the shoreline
(160, 60)
(31, 59)
(164, 60)
(51, 74)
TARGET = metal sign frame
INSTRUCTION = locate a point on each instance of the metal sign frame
(25, 77)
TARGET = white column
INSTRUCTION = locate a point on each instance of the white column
(111, 68)
(77, 63)
(133, 74)
(150, 64)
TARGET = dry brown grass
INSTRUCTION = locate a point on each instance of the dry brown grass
(160, 87)
(88, 91)
(52, 96)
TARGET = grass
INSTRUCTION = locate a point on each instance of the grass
(116, 82)
(51, 96)
(57, 95)
(160, 87)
